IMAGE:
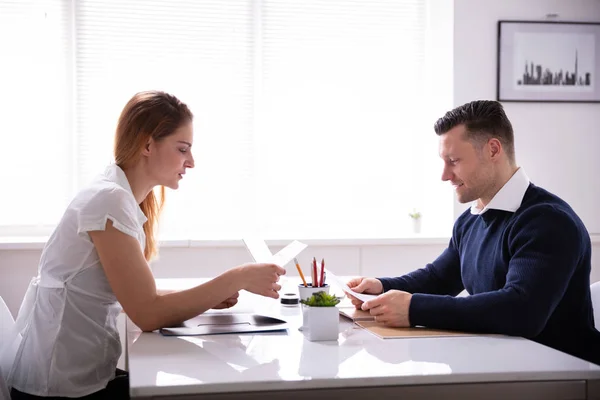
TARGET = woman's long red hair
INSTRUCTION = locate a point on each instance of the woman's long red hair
(156, 115)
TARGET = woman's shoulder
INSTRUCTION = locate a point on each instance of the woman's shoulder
(105, 191)
(104, 195)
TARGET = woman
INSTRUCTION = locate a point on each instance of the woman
(97, 261)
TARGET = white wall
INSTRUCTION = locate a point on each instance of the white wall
(18, 266)
(388, 258)
(542, 149)
(556, 143)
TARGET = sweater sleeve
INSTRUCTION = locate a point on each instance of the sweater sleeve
(441, 277)
(545, 245)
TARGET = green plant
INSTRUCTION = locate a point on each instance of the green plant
(414, 214)
(321, 299)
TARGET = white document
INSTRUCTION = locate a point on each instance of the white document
(261, 254)
(288, 253)
(342, 285)
(258, 249)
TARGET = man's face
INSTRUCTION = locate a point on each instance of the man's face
(465, 166)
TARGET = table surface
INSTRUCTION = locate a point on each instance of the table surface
(161, 365)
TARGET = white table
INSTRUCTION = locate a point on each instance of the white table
(286, 365)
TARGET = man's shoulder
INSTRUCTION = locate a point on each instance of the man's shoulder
(536, 193)
(538, 200)
(538, 204)
(543, 210)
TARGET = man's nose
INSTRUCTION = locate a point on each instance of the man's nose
(446, 174)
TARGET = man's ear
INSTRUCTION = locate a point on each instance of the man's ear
(494, 148)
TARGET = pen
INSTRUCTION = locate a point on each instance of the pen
(315, 276)
(322, 279)
(300, 272)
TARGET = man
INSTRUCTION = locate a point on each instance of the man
(521, 252)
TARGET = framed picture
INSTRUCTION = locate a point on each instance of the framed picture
(548, 61)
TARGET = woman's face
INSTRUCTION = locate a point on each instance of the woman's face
(169, 157)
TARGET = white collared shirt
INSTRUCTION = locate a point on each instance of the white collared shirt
(70, 345)
(509, 197)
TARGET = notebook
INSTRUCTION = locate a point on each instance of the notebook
(218, 324)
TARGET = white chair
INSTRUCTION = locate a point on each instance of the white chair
(8, 347)
(595, 290)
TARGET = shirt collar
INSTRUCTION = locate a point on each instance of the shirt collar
(509, 197)
(115, 174)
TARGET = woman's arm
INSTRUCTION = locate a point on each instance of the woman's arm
(132, 282)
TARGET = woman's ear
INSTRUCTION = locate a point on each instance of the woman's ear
(148, 147)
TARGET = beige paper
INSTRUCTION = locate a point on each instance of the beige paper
(356, 315)
(385, 332)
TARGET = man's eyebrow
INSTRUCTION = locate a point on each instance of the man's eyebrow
(184, 142)
(448, 157)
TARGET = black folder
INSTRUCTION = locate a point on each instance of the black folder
(217, 324)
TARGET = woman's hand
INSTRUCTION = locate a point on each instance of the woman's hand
(261, 278)
(228, 303)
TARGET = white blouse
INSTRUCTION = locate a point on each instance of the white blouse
(70, 344)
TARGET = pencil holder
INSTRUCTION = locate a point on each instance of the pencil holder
(305, 292)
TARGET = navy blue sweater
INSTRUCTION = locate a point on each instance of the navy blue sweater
(527, 273)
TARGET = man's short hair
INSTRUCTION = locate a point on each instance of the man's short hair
(483, 120)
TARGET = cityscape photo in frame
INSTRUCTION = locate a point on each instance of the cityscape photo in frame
(548, 61)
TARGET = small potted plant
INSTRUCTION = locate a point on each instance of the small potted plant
(416, 220)
(305, 293)
(323, 316)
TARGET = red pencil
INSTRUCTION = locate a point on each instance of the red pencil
(322, 279)
(315, 276)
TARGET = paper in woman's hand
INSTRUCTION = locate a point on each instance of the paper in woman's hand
(261, 254)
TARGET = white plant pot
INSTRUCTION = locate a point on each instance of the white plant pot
(323, 323)
(416, 223)
(305, 292)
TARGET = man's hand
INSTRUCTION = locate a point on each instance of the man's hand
(364, 285)
(391, 308)
(228, 303)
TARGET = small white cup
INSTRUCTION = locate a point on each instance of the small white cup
(305, 292)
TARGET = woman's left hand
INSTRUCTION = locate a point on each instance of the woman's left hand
(228, 303)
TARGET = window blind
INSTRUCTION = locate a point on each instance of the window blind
(313, 119)
(35, 109)
(200, 51)
(341, 98)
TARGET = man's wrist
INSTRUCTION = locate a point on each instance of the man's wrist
(382, 288)
(408, 309)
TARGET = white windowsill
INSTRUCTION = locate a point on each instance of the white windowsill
(37, 243)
